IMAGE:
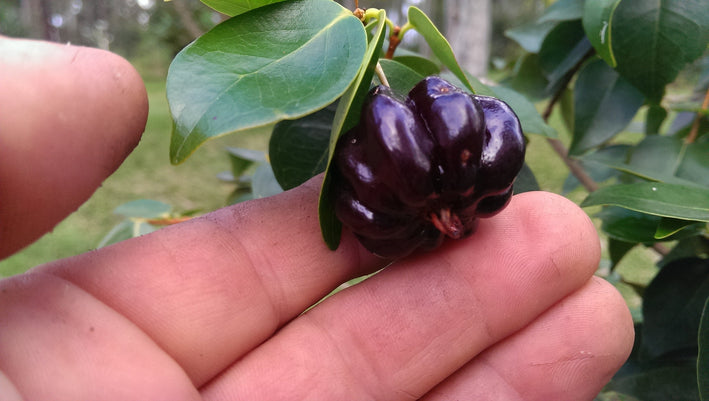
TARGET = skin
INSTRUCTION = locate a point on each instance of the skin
(211, 309)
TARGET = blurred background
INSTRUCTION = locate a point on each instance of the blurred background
(149, 33)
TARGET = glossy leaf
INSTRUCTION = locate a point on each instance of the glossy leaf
(659, 199)
(670, 159)
(143, 208)
(636, 227)
(662, 159)
(401, 78)
(654, 40)
(604, 104)
(672, 307)
(528, 78)
(298, 149)
(532, 122)
(438, 44)
(276, 62)
(236, 7)
(703, 358)
(669, 227)
(598, 24)
(346, 116)
(558, 44)
(531, 35)
(563, 10)
(421, 65)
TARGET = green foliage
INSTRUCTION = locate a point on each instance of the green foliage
(305, 66)
(277, 62)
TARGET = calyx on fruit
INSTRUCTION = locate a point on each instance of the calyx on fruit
(418, 169)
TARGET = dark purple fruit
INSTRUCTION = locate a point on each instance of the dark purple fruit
(418, 169)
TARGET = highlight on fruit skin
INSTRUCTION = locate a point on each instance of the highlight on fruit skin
(421, 168)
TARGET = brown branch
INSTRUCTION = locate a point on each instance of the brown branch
(694, 131)
(573, 165)
(394, 41)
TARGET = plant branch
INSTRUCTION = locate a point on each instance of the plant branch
(694, 131)
(573, 165)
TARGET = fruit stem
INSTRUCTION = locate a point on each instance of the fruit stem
(448, 223)
(380, 74)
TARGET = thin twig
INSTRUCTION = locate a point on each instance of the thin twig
(573, 165)
(694, 131)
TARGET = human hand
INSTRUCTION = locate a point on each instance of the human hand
(212, 309)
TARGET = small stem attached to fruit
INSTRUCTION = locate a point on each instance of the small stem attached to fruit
(447, 223)
(380, 74)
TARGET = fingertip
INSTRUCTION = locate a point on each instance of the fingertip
(552, 224)
(70, 116)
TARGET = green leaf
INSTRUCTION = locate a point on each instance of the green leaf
(668, 382)
(531, 35)
(241, 159)
(669, 227)
(298, 149)
(346, 116)
(143, 208)
(672, 307)
(656, 115)
(438, 44)
(654, 39)
(604, 104)
(631, 226)
(563, 10)
(559, 44)
(662, 159)
(617, 249)
(525, 181)
(401, 78)
(528, 78)
(655, 198)
(597, 22)
(264, 183)
(532, 122)
(421, 65)
(276, 62)
(236, 7)
(703, 358)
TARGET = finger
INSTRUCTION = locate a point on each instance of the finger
(569, 353)
(398, 334)
(209, 290)
(59, 343)
(68, 117)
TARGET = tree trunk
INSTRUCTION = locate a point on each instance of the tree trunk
(468, 29)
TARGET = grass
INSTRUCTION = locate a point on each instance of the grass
(146, 174)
